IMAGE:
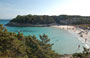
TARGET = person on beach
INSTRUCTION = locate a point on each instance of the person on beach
(81, 35)
(86, 32)
(85, 40)
(78, 46)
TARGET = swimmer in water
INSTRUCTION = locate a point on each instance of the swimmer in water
(78, 46)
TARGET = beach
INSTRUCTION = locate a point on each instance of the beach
(82, 34)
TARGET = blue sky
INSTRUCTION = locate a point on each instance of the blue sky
(11, 8)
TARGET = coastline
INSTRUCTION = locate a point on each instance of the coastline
(76, 31)
(71, 29)
(13, 24)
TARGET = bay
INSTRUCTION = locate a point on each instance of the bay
(64, 42)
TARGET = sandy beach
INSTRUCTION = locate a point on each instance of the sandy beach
(81, 34)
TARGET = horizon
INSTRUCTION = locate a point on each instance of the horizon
(43, 15)
(10, 9)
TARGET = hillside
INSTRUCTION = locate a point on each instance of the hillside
(45, 20)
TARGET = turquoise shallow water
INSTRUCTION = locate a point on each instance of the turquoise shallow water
(64, 42)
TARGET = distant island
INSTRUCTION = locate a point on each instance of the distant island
(45, 20)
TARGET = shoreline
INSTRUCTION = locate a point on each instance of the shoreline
(71, 31)
(13, 24)
(69, 28)
(78, 32)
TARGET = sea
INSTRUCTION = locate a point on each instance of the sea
(64, 41)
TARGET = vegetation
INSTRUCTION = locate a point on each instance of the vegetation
(33, 19)
(84, 26)
(14, 45)
(45, 19)
(85, 54)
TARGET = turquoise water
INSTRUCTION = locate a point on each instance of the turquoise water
(64, 42)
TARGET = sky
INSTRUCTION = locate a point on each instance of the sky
(11, 8)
